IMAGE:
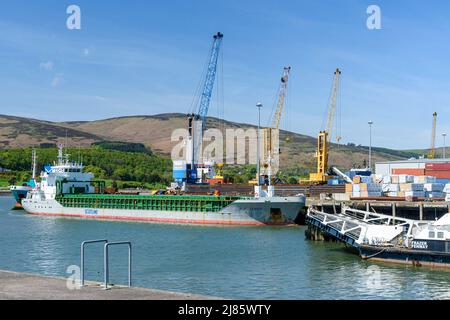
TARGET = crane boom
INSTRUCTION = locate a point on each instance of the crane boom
(432, 151)
(210, 77)
(281, 98)
(324, 137)
(332, 104)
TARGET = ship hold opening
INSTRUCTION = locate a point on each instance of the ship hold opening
(275, 214)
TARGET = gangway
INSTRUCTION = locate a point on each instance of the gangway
(356, 227)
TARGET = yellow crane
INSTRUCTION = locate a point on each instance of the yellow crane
(324, 137)
(432, 151)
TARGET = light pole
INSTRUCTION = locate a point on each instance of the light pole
(443, 150)
(370, 144)
(258, 169)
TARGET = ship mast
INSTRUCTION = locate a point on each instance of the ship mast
(60, 155)
(33, 160)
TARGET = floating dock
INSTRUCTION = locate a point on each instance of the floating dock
(23, 286)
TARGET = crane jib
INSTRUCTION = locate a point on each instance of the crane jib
(210, 77)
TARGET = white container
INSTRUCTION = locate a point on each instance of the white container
(387, 179)
(394, 187)
(378, 178)
(356, 188)
(356, 194)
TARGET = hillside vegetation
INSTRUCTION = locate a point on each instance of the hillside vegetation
(142, 168)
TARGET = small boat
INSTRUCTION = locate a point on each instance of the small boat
(380, 237)
(20, 192)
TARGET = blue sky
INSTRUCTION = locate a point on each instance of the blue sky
(146, 57)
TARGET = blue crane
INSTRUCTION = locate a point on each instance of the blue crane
(210, 77)
(187, 171)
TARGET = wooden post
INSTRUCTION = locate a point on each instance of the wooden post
(421, 211)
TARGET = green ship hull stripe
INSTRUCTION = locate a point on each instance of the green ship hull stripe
(136, 202)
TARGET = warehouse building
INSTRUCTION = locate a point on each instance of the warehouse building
(439, 168)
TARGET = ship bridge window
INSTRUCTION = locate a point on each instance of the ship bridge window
(431, 234)
(440, 235)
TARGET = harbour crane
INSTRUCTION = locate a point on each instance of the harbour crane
(324, 137)
(270, 135)
(432, 152)
(187, 171)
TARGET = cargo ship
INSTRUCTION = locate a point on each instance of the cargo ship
(66, 190)
(380, 237)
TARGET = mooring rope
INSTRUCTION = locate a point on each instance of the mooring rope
(373, 255)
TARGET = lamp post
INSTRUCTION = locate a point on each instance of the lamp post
(258, 169)
(370, 144)
(443, 150)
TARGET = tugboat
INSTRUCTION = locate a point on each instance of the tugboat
(65, 190)
(20, 192)
(385, 238)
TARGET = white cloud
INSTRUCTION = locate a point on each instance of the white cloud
(47, 66)
(86, 52)
(57, 80)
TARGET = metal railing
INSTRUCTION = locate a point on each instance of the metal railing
(106, 259)
(83, 244)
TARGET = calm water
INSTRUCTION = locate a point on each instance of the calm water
(241, 263)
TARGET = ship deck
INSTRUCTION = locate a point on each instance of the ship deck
(147, 202)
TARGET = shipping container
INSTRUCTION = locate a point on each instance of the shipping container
(438, 166)
(439, 174)
(412, 172)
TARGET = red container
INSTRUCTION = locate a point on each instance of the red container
(440, 174)
(438, 166)
(411, 172)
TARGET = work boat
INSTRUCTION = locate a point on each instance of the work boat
(65, 190)
(20, 192)
(387, 238)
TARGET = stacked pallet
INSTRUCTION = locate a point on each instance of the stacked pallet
(363, 187)
(398, 186)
